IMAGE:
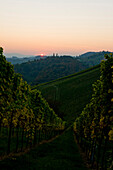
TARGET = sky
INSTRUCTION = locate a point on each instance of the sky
(33, 27)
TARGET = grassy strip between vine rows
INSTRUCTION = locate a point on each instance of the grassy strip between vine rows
(62, 153)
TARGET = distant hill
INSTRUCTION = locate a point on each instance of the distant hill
(18, 55)
(92, 58)
(40, 71)
(51, 68)
(20, 60)
(87, 54)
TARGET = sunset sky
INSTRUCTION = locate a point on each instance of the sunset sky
(32, 27)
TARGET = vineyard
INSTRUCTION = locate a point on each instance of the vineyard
(94, 127)
(26, 120)
(69, 95)
(25, 117)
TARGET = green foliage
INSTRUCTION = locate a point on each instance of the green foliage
(95, 122)
(93, 58)
(101, 101)
(49, 69)
(21, 107)
(52, 68)
(1, 50)
(69, 95)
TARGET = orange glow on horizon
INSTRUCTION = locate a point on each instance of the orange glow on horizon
(73, 29)
(41, 55)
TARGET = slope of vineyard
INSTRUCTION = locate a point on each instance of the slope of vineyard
(24, 114)
(94, 126)
(69, 95)
(27, 119)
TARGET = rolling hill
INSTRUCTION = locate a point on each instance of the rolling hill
(50, 68)
(92, 58)
(69, 95)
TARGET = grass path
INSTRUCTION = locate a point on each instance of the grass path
(60, 154)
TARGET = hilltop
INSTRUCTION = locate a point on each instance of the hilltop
(22, 59)
(92, 58)
(50, 68)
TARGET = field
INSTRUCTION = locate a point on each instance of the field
(69, 95)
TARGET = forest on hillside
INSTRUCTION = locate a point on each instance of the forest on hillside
(51, 68)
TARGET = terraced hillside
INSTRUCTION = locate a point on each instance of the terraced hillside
(69, 95)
